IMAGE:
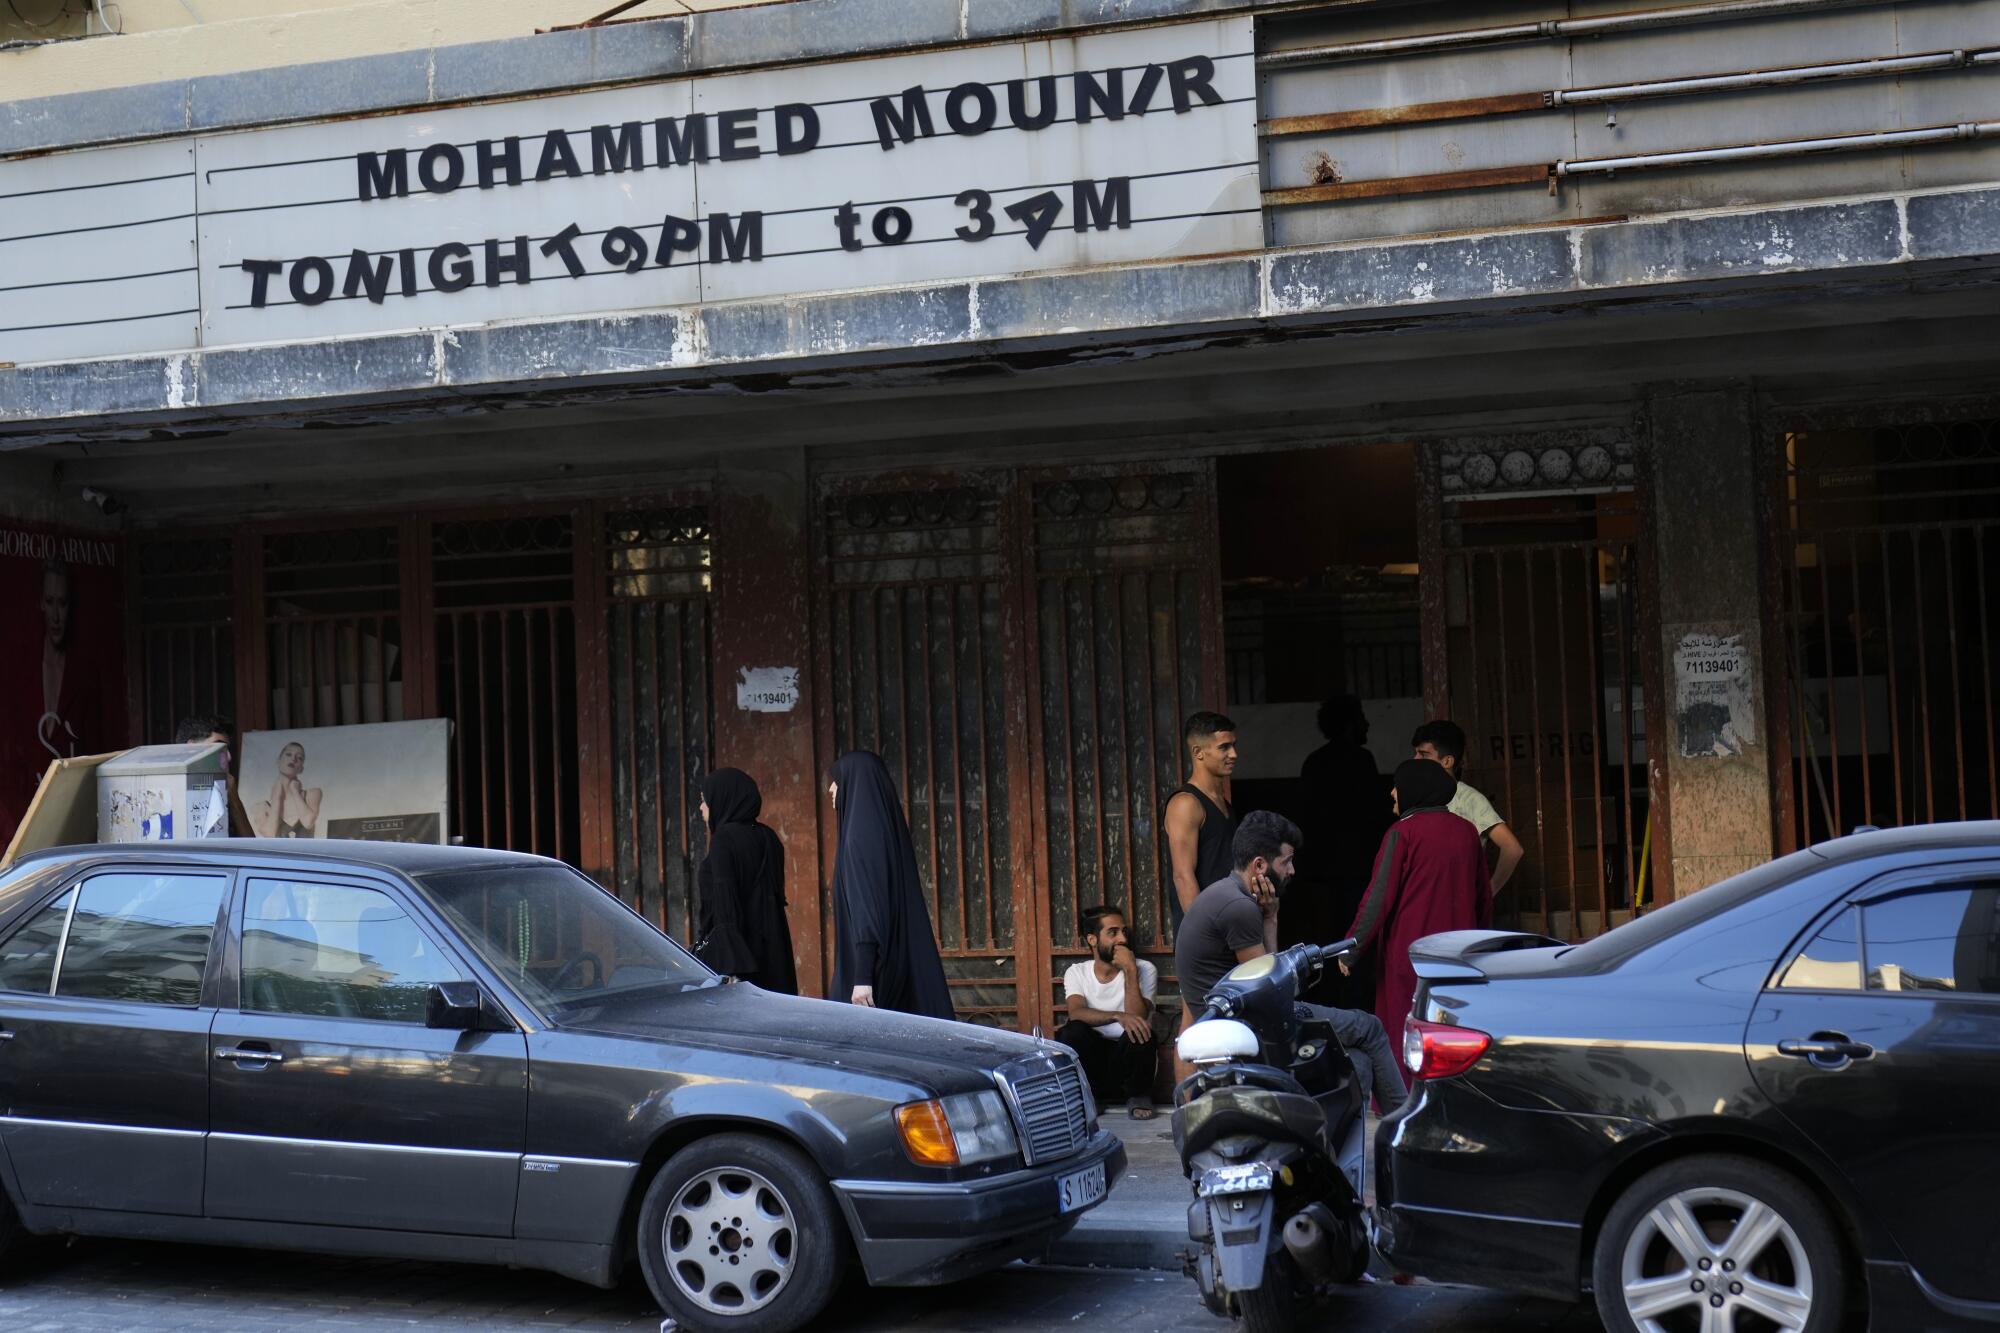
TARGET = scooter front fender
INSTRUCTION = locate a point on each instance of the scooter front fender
(1239, 1228)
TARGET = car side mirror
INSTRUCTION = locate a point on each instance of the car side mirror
(457, 1006)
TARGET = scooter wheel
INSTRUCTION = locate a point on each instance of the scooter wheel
(1274, 1306)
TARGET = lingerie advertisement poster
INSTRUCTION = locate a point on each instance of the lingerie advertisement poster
(62, 655)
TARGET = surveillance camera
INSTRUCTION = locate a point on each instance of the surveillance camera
(107, 505)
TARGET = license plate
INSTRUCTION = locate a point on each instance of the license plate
(1245, 1179)
(1080, 1189)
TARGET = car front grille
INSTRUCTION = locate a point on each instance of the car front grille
(1049, 1103)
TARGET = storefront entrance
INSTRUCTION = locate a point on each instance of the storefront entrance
(1020, 647)
(1888, 557)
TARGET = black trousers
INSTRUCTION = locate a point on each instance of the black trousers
(1118, 1070)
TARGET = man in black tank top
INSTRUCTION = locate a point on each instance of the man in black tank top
(1200, 816)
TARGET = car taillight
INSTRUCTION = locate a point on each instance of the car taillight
(1438, 1050)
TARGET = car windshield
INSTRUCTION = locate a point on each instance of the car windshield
(558, 939)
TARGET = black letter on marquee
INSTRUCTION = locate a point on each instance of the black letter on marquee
(383, 175)
(622, 151)
(914, 119)
(737, 131)
(1017, 103)
(558, 158)
(624, 248)
(846, 221)
(892, 225)
(1038, 215)
(453, 173)
(678, 236)
(680, 141)
(497, 263)
(492, 164)
(261, 272)
(745, 241)
(987, 111)
(451, 267)
(981, 205)
(366, 273)
(1192, 78)
(1104, 211)
(563, 243)
(798, 128)
(407, 262)
(1142, 97)
(322, 283)
(1093, 97)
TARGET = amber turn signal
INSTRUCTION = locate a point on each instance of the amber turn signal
(926, 1134)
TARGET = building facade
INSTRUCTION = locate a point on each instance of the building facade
(992, 383)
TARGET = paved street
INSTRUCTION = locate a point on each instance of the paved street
(105, 1285)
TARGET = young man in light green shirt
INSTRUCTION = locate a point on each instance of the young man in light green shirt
(1444, 742)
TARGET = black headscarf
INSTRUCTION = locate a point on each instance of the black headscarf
(882, 928)
(743, 928)
(1422, 784)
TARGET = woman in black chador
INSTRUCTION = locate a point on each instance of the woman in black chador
(743, 932)
(884, 952)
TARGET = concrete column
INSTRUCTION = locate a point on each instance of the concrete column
(762, 625)
(1708, 560)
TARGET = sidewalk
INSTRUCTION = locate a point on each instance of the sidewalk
(1143, 1224)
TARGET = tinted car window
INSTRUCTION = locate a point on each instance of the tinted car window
(141, 937)
(558, 938)
(335, 951)
(1832, 961)
(1937, 940)
(1682, 914)
(28, 958)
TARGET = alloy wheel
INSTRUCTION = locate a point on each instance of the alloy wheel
(730, 1241)
(1716, 1261)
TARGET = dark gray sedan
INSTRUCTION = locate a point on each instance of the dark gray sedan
(441, 1053)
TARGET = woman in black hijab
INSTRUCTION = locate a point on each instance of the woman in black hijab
(744, 933)
(884, 952)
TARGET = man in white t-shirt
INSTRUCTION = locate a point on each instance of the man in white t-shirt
(1110, 1003)
(1443, 742)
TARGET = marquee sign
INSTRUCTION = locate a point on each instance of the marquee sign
(978, 162)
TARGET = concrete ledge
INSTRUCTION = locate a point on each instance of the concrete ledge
(1709, 253)
(1953, 226)
(1724, 245)
(723, 39)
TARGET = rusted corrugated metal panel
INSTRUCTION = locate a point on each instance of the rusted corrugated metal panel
(1417, 113)
(1532, 173)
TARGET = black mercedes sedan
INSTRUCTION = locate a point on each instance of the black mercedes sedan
(1774, 1104)
(429, 1052)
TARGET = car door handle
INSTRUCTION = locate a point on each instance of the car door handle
(244, 1055)
(1826, 1049)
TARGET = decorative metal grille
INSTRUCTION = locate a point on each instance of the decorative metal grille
(657, 582)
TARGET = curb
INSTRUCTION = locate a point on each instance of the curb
(1114, 1241)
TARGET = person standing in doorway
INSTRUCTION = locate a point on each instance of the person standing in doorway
(1442, 741)
(1200, 815)
(885, 956)
(1347, 812)
(743, 931)
(1430, 876)
(1109, 997)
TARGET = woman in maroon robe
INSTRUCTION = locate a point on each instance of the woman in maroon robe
(1430, 876)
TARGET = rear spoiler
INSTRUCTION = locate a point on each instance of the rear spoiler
(1453, 955)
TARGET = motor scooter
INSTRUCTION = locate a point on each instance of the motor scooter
(1272, 1133)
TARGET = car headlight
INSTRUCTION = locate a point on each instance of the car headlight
(961, 1130)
